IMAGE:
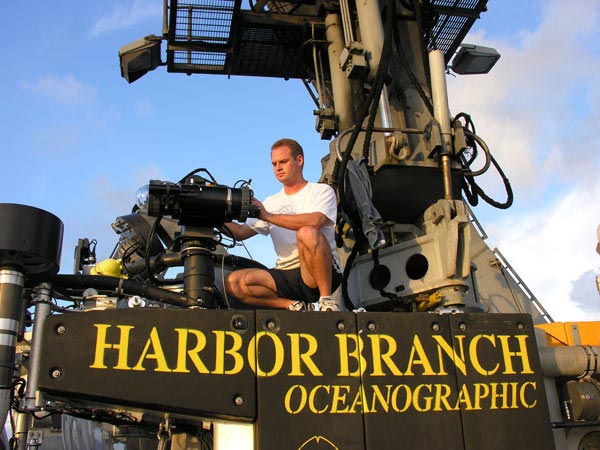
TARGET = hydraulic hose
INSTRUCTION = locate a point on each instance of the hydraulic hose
(118, 285)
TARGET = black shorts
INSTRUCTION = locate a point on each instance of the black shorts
(290, 284)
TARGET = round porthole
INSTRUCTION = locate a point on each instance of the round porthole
(416, 266)
(379, 277)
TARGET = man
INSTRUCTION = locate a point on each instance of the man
(300, 220)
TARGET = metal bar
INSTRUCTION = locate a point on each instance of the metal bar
(42, 311)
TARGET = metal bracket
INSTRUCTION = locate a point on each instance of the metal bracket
(326, 123)
(353, 60)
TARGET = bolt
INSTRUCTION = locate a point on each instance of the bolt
(341, 326)
(435, 327)
(238, 400)
(462, 326)
(56, 373)
(61, 329)
(239, 323)
(371, 326)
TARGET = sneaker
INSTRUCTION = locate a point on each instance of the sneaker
(327, 303)
(301, 306)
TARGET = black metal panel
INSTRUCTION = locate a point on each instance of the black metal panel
(311, 380)
(403, 367)
(307, 402)
(415, 189)
(185, 361)
(503, 386)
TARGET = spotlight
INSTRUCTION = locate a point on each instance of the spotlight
(140, 57)
(474, 59)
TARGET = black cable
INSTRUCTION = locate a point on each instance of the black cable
(340, 166)
(412, 77)
(473, 192)
(194, 172)
(229, 234)
(339, 170)
(408, 5)
(507, 187)
(151, 276)
(118, 285)
(376, 264)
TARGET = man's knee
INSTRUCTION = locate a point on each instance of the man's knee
(308, 235)
(233, 282)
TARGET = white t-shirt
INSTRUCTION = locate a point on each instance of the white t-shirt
(314, 197)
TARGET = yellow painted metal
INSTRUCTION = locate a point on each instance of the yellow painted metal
(572, 333)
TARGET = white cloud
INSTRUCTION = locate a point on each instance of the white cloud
(536, 107)
(144, 109)
(127, 14)
(66, 90)
(117, 198)
(537, 112)
(584, 292)
(552, 247)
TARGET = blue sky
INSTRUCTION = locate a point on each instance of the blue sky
(77, 140)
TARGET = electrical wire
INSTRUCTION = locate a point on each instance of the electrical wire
(470, 187)
(194, 172)
(369, 106)
(151, 276)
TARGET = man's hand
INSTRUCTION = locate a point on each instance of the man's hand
(261, 209)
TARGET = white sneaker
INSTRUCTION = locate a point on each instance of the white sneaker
(301, 306)
(327, 303)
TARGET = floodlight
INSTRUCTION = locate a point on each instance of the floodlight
(474, 59)
(139, 57)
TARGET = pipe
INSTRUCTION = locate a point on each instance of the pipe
(441, 112)
(118, 285)
(573, 361)
(12, 282)
(342, 91)
(346, 22)
(371, 32)
(42, 311)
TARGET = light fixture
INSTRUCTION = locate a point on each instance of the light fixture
(474, 59)
(140, 57)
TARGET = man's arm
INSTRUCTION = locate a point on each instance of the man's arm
(239, 231)
(295, 221)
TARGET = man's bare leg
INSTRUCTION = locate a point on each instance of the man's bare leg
(256, 288)
(315, 259)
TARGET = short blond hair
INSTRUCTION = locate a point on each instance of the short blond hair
(293, 145)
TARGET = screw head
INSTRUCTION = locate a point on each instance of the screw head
(271, 324)
(55, 373)
(341, 326)
(239, 323)
(61, 329)
(520, 326)
(371, 326)
(238, 400)
(435, 326)
(462, 326)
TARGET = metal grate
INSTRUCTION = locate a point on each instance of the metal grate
(208, 21)
(201, 35)
(455, 19)
(216, 36)
(191, 61)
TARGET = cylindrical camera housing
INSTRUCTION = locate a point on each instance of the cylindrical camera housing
(199, 205)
